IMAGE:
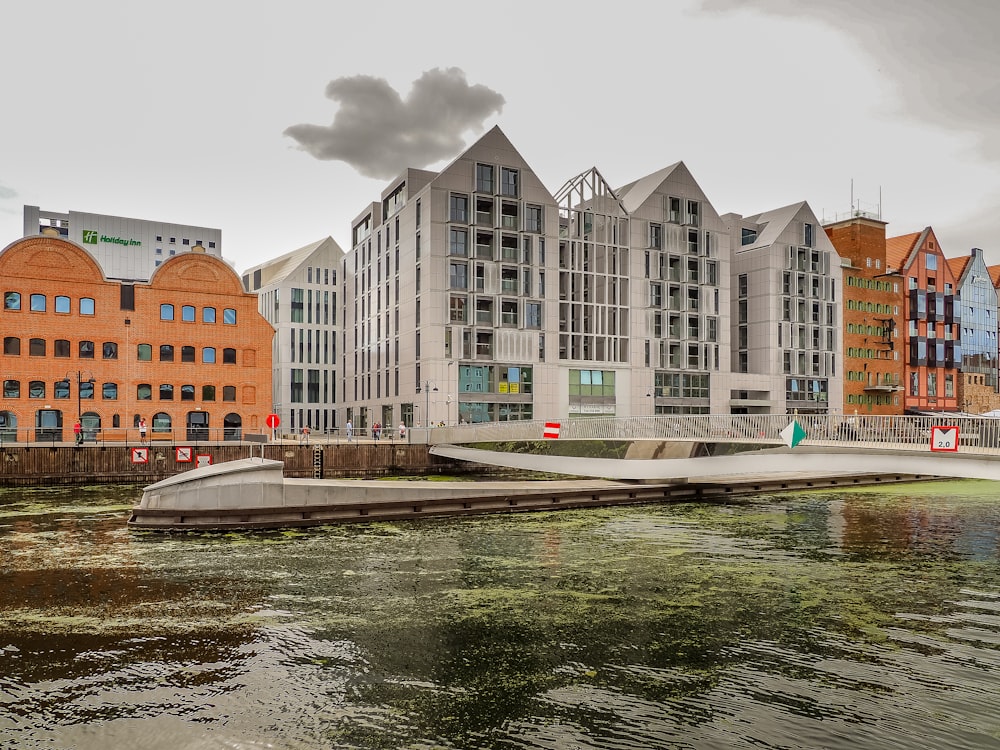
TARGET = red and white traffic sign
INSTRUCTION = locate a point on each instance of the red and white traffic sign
(140, 455)
(272, 421)
(183, 455)
(944, 438)
(551, 430)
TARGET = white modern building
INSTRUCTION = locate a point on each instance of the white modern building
(475, 294)
(129, 249)
(298, 294)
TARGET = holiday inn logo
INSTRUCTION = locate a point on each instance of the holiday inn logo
(92, 237)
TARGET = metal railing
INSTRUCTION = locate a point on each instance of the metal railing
(975, 434)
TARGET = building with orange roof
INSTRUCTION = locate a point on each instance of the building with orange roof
(931, 311)
(187, 351)
(874, 367)
(977, 306)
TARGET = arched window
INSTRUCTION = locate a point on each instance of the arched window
(144, 392)
(86, 350)
(161, 422)
(12, 301)
(187, 393)
(12, 389)
(229, 316)
(207, 315)
(110, 349)
(187, 354)
(36, 389)
(109, 391)
(36, 348)
(12, 346)
(86, 389)
(62, 304)
(8, 426)
(61, 348)
(166, 312)
(37, 303)
(86, 306)
(166, 353)
(229, 356)
(232, 427)
(208, 355)
(229, 393)
(90, 422)
(208, 393)
(166, 392)
(60, 389)
(187, 313)
(144, 352)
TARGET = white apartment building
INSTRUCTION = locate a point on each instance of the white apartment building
(129, 249)
(474, 294)
(786, 327)
(298, 294)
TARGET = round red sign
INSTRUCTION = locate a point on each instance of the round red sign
(272, 421)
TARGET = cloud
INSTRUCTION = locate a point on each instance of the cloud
(379, 133)
(941, 57)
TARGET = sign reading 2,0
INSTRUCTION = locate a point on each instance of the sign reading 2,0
(944, 438)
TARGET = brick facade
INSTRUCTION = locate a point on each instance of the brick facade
(118, 335)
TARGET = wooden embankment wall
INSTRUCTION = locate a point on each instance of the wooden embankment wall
(32, 465)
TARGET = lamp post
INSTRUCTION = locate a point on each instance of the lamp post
(81, 378)
(427, 401)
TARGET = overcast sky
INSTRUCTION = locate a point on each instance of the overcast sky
(279, 123)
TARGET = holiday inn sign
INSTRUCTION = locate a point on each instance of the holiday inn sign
(92, 237)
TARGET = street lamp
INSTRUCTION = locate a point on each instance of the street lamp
(81, 378)
(427, 400)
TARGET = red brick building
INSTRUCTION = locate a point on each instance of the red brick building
(933, 353)
(874, 355)
(186, 351)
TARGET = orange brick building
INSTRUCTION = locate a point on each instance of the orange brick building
(186, 351)
(874, 355)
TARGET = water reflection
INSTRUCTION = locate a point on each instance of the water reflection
(869, 618)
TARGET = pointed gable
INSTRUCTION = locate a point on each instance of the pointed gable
(636, 193)
(899, 249)
(959, 265)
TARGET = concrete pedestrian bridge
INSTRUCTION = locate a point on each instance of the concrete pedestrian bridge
(674, 447)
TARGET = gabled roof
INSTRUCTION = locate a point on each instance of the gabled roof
(898, 249)
(958, 266)
(280, 268)
(588, 188)
(636, 193)
(994, 274)
(773, 223)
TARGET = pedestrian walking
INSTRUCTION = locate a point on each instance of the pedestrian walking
(78, 432)
(305, 434)
(142, 429)
(376, 430)
(350, 430)
(402, 431)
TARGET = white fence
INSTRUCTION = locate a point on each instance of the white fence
(975, 434)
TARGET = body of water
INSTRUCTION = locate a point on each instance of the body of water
(842, 619)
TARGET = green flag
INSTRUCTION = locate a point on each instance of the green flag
(793, 434)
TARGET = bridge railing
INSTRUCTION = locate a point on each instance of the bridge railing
(976, 434)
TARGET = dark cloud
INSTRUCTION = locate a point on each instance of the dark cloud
(379, 133)
(942, 58)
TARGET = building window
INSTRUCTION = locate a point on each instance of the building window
(748, 236)
(297, 305)
(229, 393)
(458, 275)
(62, 304)
(86, 306)
(86, 389)
(166, 353)
(655, 236)
(208, 315)
(457, 307)
(533, 314)
(229, 356)
(208, 355)
(208, 393)
(459, 208)
(144, 392)
(110, 350)
(37, 303)
(187, 313)
(109, 391)
(459, 242)
(144, 352)
(484, 178)
(12, 389)
(807, 235)
(61, 348)
(532, 218)
(36, 389)
(60, 389)
(36, 348)
(508, 182)
(166, 392)
(187, 354)
(86, 350)
(12, 301)
(166, 312)
(229, 316)
(187, 393)
(508, 313)
(12, 346)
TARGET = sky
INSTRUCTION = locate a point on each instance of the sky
(279, 123)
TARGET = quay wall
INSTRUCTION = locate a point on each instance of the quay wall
(38, 465)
